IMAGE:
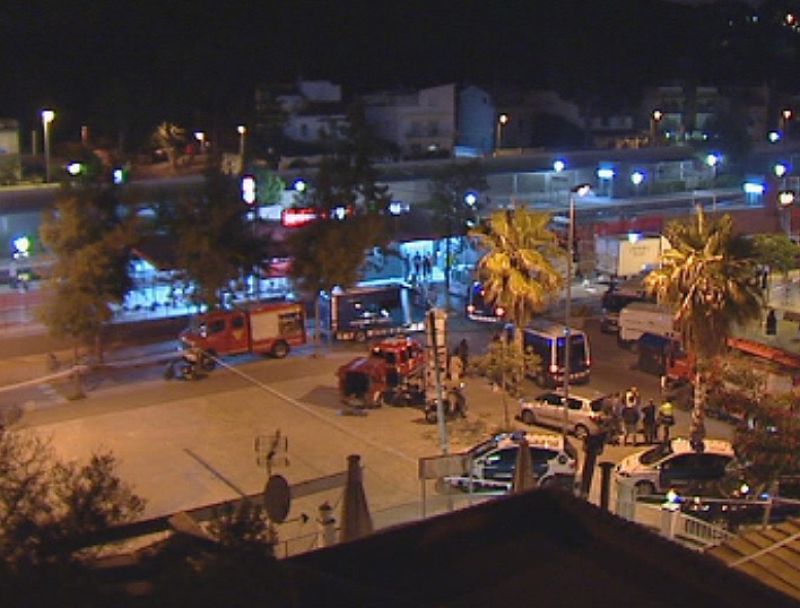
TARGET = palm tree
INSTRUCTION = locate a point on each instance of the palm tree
(517, 271)
(709, 279)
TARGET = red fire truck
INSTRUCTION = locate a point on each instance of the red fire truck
(393, 372)
(268, 329)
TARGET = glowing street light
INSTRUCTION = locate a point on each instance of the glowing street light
(502, 120)
(655, 119)
(300, 185)
(637, 177)
(470, 198)
(559, 165)
(200, 136)
(780, 170)
(47, 118)
(241, 129)
(786, 116)
(785, 201)
(712, 160)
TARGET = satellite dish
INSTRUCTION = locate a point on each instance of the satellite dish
(277, 498)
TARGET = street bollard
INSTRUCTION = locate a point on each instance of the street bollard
(669, 519)
(605, 483)
(327, 525)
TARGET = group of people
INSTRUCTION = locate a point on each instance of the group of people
(625, 412)
(420, 267)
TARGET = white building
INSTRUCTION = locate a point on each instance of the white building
(419, 122)
(314, 109)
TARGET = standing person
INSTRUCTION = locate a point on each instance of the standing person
(771, 324)
(630, 418)
(617, 404)
(649, 422)
(665, 419)
(463, 352)
(417, 266)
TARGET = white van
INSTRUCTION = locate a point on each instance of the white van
(640, 318)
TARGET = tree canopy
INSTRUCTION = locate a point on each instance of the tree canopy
(216, 244)
(708, 277)
(517, 270)
(90, 242)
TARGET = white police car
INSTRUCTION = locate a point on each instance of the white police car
(676, 465)
(489, 466)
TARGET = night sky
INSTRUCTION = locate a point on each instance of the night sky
(127, 65)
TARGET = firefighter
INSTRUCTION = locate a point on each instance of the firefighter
(665, 418)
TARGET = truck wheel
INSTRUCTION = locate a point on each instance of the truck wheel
(361, 336)
(280, 350)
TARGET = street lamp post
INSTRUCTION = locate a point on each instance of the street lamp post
(785, 202)
(786, 116)
(241, 129)
(712, 160)
(637, 177)
(655, 118)
(47, 118)
(501, 122)
(579, 190)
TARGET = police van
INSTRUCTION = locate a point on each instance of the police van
(548, 340)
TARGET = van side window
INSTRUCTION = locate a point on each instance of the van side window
(237, 322)
(216, 326)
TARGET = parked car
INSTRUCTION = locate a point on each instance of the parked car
(740, 503)
(584, 410)
(677, 465)
(490, 464)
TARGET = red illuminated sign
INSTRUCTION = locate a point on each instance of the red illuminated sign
(292, 218)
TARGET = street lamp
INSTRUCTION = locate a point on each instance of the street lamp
(47, 118)
(241, 129)
(501, 122)
(785, 202)
(200, 137)
(655, 118)
(579, 190)
(786, 116)
(712, 160)
(637, 177)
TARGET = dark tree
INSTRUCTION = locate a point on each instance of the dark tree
(455, 190)
(216, 244)
(90, 241)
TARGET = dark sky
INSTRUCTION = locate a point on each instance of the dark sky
(130, 63)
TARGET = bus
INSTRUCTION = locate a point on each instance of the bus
(478, 309)
(548, 340)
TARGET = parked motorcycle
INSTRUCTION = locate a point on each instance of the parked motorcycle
(185, 367)
(454, 404)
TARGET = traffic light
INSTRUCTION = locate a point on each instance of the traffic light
(249, 189)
